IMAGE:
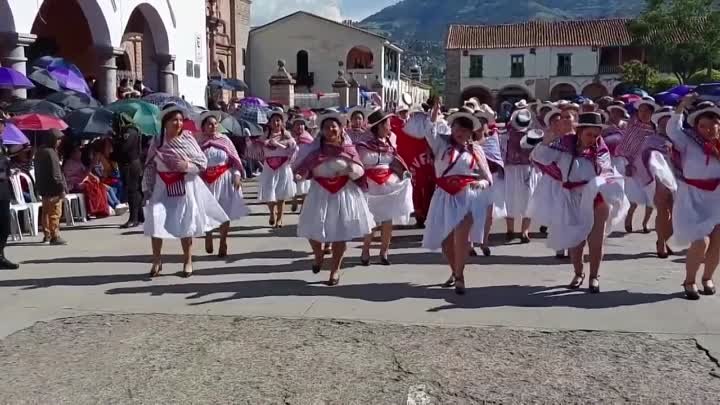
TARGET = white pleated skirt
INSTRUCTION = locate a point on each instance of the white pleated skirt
(497, 196)
(574, 211)
(520, 183)
(695, 213)
(276, 185)
(302, 187)
(191, 215)
(231, 200)
(660, 170)
(447, 211)
(338, 217)
(391, 201)
(542, 202)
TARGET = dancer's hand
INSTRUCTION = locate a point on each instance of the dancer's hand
(686, 102)
(237, 182)
(183, 165)
(298, 177)
(481, 185)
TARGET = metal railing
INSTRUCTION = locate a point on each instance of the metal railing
(609, 69)
(564, 70)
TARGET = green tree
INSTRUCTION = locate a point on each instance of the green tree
(680, 36)
(639, 74)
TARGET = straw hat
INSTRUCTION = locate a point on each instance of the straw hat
(692, 118)
(531, 139)
(553, 112)
(648, 101)
(521, 120)
(463, 114)
(660, 114)
(331, 115)
(522, 104)
(377, 117)
(207, 114)
(486, 113)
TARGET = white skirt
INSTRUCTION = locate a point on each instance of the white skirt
(191, 215)
(542, 202)
(574, 211)
(231, 200)
(695, 213)
(497, 196)
(391, 201)
(276, 185)
(339, 217)
(661, 171)
(447, 211)
(520, 182)
(303, 186)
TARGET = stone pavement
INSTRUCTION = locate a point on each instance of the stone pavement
(103, 271)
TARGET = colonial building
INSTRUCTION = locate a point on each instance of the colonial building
(228, 26)
(536, 59)
(161, 42)
(314, 48)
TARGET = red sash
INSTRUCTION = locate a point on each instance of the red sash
(455, 184)
(174, 183)
(379, 175)
(704, 184)
(573, 184)
(211, 174)
(332, 184)
(276, 161)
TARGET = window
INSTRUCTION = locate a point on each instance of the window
(476, 66)
(517, 66)
(244, 57)
(189, 68)
(564, 64)
(302, 64)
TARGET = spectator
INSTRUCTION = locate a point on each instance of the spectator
(80, 180)
(6, 195)
(51, 187)
(107, 170)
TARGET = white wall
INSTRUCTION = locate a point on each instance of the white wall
(174, 25)
(326, 44)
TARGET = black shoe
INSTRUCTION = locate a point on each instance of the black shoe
(385, 261)
(129, 224)
(365, 262)
(419, 223)
(691, 291)
(509, 236)
(543, 229)
(486, 251)
(708, 288)
(560, 255)
(6, 264)
(594, 286)
(58, 241)
(473, 252)
(449, 283)
(316, 268)
(524, 239)
(460, 286)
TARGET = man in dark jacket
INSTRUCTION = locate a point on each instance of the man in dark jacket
(50, 184)
(127, 153)
(6, 196)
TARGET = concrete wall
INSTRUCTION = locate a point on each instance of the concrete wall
(174, 25)
(326, 43)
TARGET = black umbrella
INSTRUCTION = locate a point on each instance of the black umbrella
(253, 128)
(45, 79)
(32, 106)
(73, 100)
(229, 84)
(231, 125)
(90, 122)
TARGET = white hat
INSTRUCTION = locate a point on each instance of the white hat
(487, 113)
(548, 116)
(521, 119)
(452, 111)
(207, 114)
(531, 139)
(692, 118)
(649, 101)
(522, 104)
(619, 108)
(403, 107)
(544, 104)
(173, 109)
(660, 114)
(473, 103)
(476, 122)
(378, 116)
(341, 118)
(277, 111)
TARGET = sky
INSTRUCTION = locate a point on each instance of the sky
(264, 11)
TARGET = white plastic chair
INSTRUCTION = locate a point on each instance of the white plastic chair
(18, 205)
(34, 204)
(68, 208)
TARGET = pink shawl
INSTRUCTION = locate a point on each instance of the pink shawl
(398, 165)
(633, 138)
(183, 148)
(223, 143)
(598, 154)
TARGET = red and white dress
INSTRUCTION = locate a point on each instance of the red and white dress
(580, 181)
(696, 211)
(224, 166)
(389, 187)
(456, 167)
(277, 183)
(335, 208)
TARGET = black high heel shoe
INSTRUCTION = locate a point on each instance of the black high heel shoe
(385, 261)
(691, 291)
(365, 260)
(594, 285)
(708, 287)
(486, 250)
(577, 281)
(449, 283)
(460, 285)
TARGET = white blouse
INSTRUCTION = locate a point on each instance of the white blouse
(582, 169)
(218, 157)
(372, 159)
(693, 156)
(440, 146)
(335, 166)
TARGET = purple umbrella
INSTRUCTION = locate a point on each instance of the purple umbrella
(13, 136)
(12, 79)
(253, 101)
(709, 92)
(667, 98)
(681, 90)
(70, 79)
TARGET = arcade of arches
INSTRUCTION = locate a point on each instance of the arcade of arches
(77, 31)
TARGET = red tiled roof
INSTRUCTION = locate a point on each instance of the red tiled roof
(537, 34)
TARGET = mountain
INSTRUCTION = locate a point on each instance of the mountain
(419, 26)
(428, 19)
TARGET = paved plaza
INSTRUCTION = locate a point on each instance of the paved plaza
(259, 324)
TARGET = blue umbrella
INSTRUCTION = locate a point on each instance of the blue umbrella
(229, 84)
(12, 79)
(667, 98)
(90, 122)
(708, 92)
(163, 99)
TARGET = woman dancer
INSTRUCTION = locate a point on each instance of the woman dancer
(389, 188)
(179, 204)
(589, 194)
(223, 176)
(459, 205)
(558, 123)
(302, 138)
(520, 177)
(276, 183)
(335, 209)
(696, 214)
(639, 127)
(357, 130)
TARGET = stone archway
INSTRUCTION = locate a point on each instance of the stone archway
(147, 33)
(359, 57)
(563, 91)
(479, 92)
(594, 91)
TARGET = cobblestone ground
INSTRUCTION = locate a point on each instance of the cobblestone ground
(191, 359)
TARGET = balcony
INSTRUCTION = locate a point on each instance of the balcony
(609, 69)
(564, 70)
(306, 79)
